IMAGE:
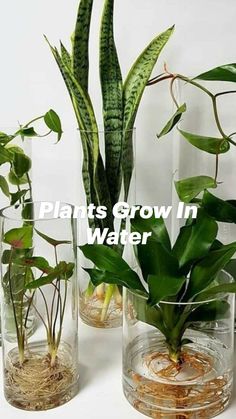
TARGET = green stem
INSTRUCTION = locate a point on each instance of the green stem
(108, 296)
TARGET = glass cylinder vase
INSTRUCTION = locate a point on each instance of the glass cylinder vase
(39, 260)
(114, 182)
(179, 374)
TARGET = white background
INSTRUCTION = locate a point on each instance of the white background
(30, 84)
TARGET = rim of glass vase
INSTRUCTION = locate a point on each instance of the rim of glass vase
(102, 131)
(17, 207)
(189, 303)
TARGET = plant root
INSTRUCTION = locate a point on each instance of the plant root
(197, 397)
(36, 385)
(91, 312)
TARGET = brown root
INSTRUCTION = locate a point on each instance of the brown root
(91, 311)
(36, 385)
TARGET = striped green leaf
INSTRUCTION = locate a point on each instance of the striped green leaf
(133, 91)
(80, 56)
(112, 92)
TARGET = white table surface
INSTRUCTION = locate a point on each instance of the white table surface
(100, 393)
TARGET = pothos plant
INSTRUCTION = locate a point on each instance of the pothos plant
(103, 179)
(185, 272)
(196, 189)
(27, 274)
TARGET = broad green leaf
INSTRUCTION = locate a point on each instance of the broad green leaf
(4, 186)
(195, 241)
(81, 43)
(63, 271)
(173, 121)
(16, 196)
(231, 268)
(125, 278)
(15, 254)
(209, 144)
(27, 132)
(28, 210)
(14, 148)
(21, 164)
(112, 93)
(5, 155)
(223, 73)
(50, 240)
(34, 262)
(210, 312)
(5, 138)
(155, 259)
(163, 286)
(206, 270)
(148, 314)
(19, 238)
(154, 225)
(105, 258)
(53, 122)
(14, 180)
(190, 188)
(133, 90)
(219, 289)
(218, 208)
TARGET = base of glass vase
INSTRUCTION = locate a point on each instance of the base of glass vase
(92, 314)
(36, 385)
(199, 387)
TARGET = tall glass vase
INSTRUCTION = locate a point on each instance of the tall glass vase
(38, 279)
(102, 306)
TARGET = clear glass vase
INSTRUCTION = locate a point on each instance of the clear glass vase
(102, 306)
(200, 384)
(39, 281)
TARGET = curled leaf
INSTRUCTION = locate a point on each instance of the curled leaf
(190, 188)
(173, 121)
(209, 144)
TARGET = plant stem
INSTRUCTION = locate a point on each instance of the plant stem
(108, 296)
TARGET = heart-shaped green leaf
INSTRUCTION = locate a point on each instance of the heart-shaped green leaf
(21, 164)
(53, 122)
(19, 238)
(218, 208)
(50, 240)
(209, 144)
(34, 262)
(63, 271)
(173, 121)
(4, 186)
(223, 73)
(190, 188)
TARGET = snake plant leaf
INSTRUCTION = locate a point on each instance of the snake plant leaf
(223, 73)
(63, 271)
(80, 56)
(4, 186)
(219, 289)
(206, 270)
(65, 55)
(53, 122)
(19, 238)
(209, 144)
(127, 278)
(112, 93)
(34, 262)
(210, 312)
(163, 286)
(139, 75)
(50, 240)
(218, 208)
(133, 90)
(21, 164)
(154, 225)
(195, 241)
(173, 121)
(5, 155)
(190, 188)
